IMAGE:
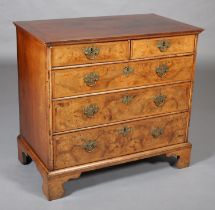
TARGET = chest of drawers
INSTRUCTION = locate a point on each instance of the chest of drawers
(97, 92)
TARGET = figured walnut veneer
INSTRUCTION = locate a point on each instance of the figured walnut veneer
(73, 54)
(111, 142)
(101, 91)
(113, 76)
(149, 47)
(69, 114)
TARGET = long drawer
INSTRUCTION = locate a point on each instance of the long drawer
(98, 78)
(106, 108)
(89, 53)
(144, 48)
(113, 141)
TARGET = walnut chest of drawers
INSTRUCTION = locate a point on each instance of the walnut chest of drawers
(101, 91)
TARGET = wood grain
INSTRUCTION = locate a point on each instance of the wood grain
(33, 95)
(112, 76)
(74, 54)
(91, 29)
(183, 157)
(69, 114)
(110, 142)
(55, 131)
(148, 47)
(53, 181)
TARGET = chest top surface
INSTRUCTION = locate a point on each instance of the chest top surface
(106, 28)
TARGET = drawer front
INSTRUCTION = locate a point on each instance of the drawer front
(113, 141)
(115, 76)
(162, 46)
(94, 110)
(89, 53)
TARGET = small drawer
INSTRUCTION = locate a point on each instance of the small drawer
(162, 46)
(106, 108)
(89, 53)
(85, 80)
(114, 141)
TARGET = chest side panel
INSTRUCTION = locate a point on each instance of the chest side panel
(33, 95)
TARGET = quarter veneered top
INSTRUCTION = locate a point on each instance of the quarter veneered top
(107, 28)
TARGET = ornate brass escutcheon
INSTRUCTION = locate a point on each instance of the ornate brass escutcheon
(125, 131)
(91, 52)
(163, 45)
(161, 70)
(90, 145)
(127, 71)
(91, 110)
(156, 132)
(127, 99)
(160, 100)
(91, 79)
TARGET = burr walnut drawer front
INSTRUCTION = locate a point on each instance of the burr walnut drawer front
(76, 81)
(162, 46)
(89, 53)
(106, 108)
(117, 140)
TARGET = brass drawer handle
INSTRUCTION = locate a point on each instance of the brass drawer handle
(91, 52)
(127, 99)
(90, 110)
(160, 100)
(127, 71)
(91, 79)
(90, 145)
(125, 131)
(163, 45)
(156, 132)
(161, 70)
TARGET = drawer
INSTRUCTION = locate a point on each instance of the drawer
(89, 53)
(85, 80)
(162, 46)
(113, 141)
(106, 108)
